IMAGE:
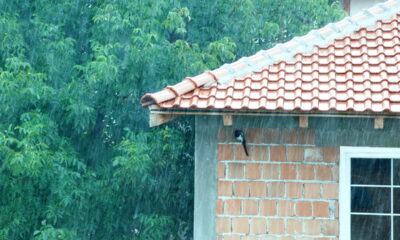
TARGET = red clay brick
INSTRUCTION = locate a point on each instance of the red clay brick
(321, 209)
(330, 191)
(259, 153)
(225, 152)
(253, 135)
(249, 207)
(303, 209)
(298, 136)
(268, 208)
(293, 190)
(294, 226)
(270, 135)
(312, 190)
(306, 172)
(276, 189)
(313, 155)
(278, 153)
(285, 208)
(295, 153)
(240, 225)
(276, 226)
(331, 154)
(240, 154)
(242, 189)
(258, 226)
(220, 206)
(253, 171)
(335, 173)
(221, 170)
(312, 227)
(236, 170)
(224, 188)
(330, 227)
(223, 225)
(270, 171)
(288, 171)
(232, 237)
(232, 206)
(323, 173)
(258, 189)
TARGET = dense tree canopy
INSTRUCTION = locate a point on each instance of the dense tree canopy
(77, 159)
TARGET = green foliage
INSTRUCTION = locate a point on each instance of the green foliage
(77, 160)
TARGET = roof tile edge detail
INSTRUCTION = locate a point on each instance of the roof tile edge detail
(281, 52)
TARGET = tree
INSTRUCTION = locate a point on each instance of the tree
(77, 158)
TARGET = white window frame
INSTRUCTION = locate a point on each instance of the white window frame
(346, 153)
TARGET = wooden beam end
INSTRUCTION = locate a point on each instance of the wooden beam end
(228, 120)
(303, 122)
(157, 119)
(379, 123)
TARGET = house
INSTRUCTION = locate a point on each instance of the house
(320, 116)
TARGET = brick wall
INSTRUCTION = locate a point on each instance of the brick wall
(286, 189)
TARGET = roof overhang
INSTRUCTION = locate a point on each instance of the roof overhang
(160, 116)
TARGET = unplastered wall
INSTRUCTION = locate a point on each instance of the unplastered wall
(287, 188)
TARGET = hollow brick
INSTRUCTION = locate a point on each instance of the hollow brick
(236, 170)
(242, 189)
(221, 170)
(286, 208)
(330, 191)
(303, 209)
(223, 225)
(312, 227)
(253, 171)
(268, 207)
(321, 209)
(294, 226)
(293, 190)
(240, 153)
(323, 173)
(269, 135)
(294, 153)
(258, 189)
(225, 152)
(220, 206)
(232, 237)
(270, 171)
(275, 189)
(249, 207)
(306, 172)
(240, 225)
(259, 153)
(258, 226)
(276, 226)
(331, 154)
(330, 227)
(313, 155)
(288, 171)
(312, 190)
(278, 153)
(232, 206)
(224, 188)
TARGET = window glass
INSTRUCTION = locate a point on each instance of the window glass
(370, 227)
(370, 171)
(396, 200)
(396, 227)
(396, 171)
(370, 200)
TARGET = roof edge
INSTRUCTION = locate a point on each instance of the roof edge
(281, 52)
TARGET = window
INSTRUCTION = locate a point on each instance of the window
(369, 193)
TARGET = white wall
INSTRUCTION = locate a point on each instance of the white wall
(357, 5)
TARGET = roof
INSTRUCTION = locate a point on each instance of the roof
(351, 65)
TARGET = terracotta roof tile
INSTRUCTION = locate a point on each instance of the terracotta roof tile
(352, 65)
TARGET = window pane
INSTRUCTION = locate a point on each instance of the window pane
(396, 227)
(370, 171)
(370, 227)
(396, 171)
(370, 200)
(396, 200)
